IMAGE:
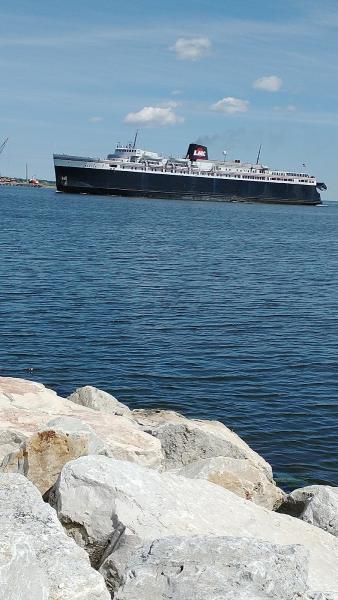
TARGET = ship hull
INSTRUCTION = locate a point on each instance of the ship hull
(147, 184)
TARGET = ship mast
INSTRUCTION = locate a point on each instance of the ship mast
(135, 138)
(259, 154)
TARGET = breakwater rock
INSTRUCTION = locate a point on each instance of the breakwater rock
(38, 561)
(315, 504)
(167, 568)
(149, 504)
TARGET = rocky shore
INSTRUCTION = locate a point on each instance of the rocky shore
(98, 501)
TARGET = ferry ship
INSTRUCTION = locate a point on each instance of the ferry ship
(131, 171)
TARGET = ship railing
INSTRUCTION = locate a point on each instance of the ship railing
(172, 168)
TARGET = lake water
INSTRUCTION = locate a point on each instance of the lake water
(220, 311)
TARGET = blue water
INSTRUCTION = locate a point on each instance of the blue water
(220, 311)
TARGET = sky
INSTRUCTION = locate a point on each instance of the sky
(79, 76)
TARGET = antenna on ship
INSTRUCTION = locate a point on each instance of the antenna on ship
(135, 138)
(259, 154)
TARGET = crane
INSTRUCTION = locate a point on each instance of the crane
(2, 146)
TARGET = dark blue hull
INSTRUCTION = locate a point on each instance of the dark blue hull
(161, 185)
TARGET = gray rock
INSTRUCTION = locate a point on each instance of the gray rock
(114, 563)
(21, 576)
(184, 442)
(152, 417)
(38, 561)
(10, 440)
(210, 568)
(104, 501)
(240, 476)
(319, 596)
(92, 397)
(315, 504)
(41, 457)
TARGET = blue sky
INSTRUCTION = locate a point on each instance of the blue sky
(79, 76)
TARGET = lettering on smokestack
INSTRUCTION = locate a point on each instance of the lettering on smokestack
(197, 152)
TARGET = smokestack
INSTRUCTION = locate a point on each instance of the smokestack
(197, 152)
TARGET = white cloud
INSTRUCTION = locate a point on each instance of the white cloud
(191, 48)
(154, 115)
(271, 83)
(231, 105)
(95, 119)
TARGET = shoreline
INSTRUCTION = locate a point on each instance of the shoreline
(13, 182)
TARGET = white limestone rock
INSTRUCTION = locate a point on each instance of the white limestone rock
(185, 441)
(92, 397)
(38, 561)
(106, 501)
(41, 457)
(315, 504)
(10, 441)
(26, 407)
(21, 576)
(240, 476)
(210, 568)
